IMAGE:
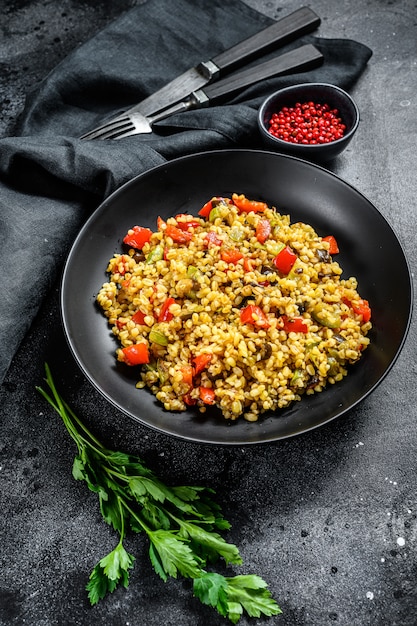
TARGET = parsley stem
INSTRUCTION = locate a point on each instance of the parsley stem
(69, 417)
(122, 519)
(115, 474)
(135, 516)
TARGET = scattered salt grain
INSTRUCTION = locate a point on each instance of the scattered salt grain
(401, 541)
(369, 595)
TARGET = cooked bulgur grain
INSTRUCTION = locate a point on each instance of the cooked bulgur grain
(237, 307)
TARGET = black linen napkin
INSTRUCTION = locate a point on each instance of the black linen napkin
(50, 181)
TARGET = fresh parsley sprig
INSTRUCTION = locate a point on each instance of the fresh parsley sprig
(181, 524)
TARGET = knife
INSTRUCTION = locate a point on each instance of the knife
(283, 31)
(134, 123)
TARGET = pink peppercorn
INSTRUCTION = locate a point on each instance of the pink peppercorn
(307, 123)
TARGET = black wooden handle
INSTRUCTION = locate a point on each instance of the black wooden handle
(303, 58)
(286, 29)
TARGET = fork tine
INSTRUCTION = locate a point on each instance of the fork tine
(134, 123)
(119, 133)
(106, 130)
(128, 133)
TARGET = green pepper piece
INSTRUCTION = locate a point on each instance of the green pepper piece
(155, 255)
(295, 377)
(326, 318)
(236, 234)
(274, 247)
(334, 354)
(155, 336)
(194, 273)
(333, 366)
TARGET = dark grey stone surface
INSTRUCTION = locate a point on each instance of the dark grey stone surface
(328, 519)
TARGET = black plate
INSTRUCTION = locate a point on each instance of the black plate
(369, 250)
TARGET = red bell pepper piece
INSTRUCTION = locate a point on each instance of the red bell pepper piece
(212, 238)
(186, 224)
(165, 315)
(207, 395)
(137, 237)
(178, 235)
(253, 314)
(230, 255)
(200, 362)
(294, 324)
(334, 248)
(263, 230)
(285, 260)
(360, 307)
(247, 264)
(205, 210)
(137, 354)
(139, 317)
(246, 206)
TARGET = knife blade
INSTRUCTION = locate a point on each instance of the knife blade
(304, 58)
(285, 30)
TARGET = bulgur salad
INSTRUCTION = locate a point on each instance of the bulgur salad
(236, 307)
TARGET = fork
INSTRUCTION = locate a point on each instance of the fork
(136, 123)
(125, 125)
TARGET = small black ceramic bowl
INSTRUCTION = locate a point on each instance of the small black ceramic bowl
(319, 93)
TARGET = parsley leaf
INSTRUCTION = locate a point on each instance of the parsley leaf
(211, 589)
(180, 522)
(211, 540)
(230, 596)
(111, 570)
(174, 555)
